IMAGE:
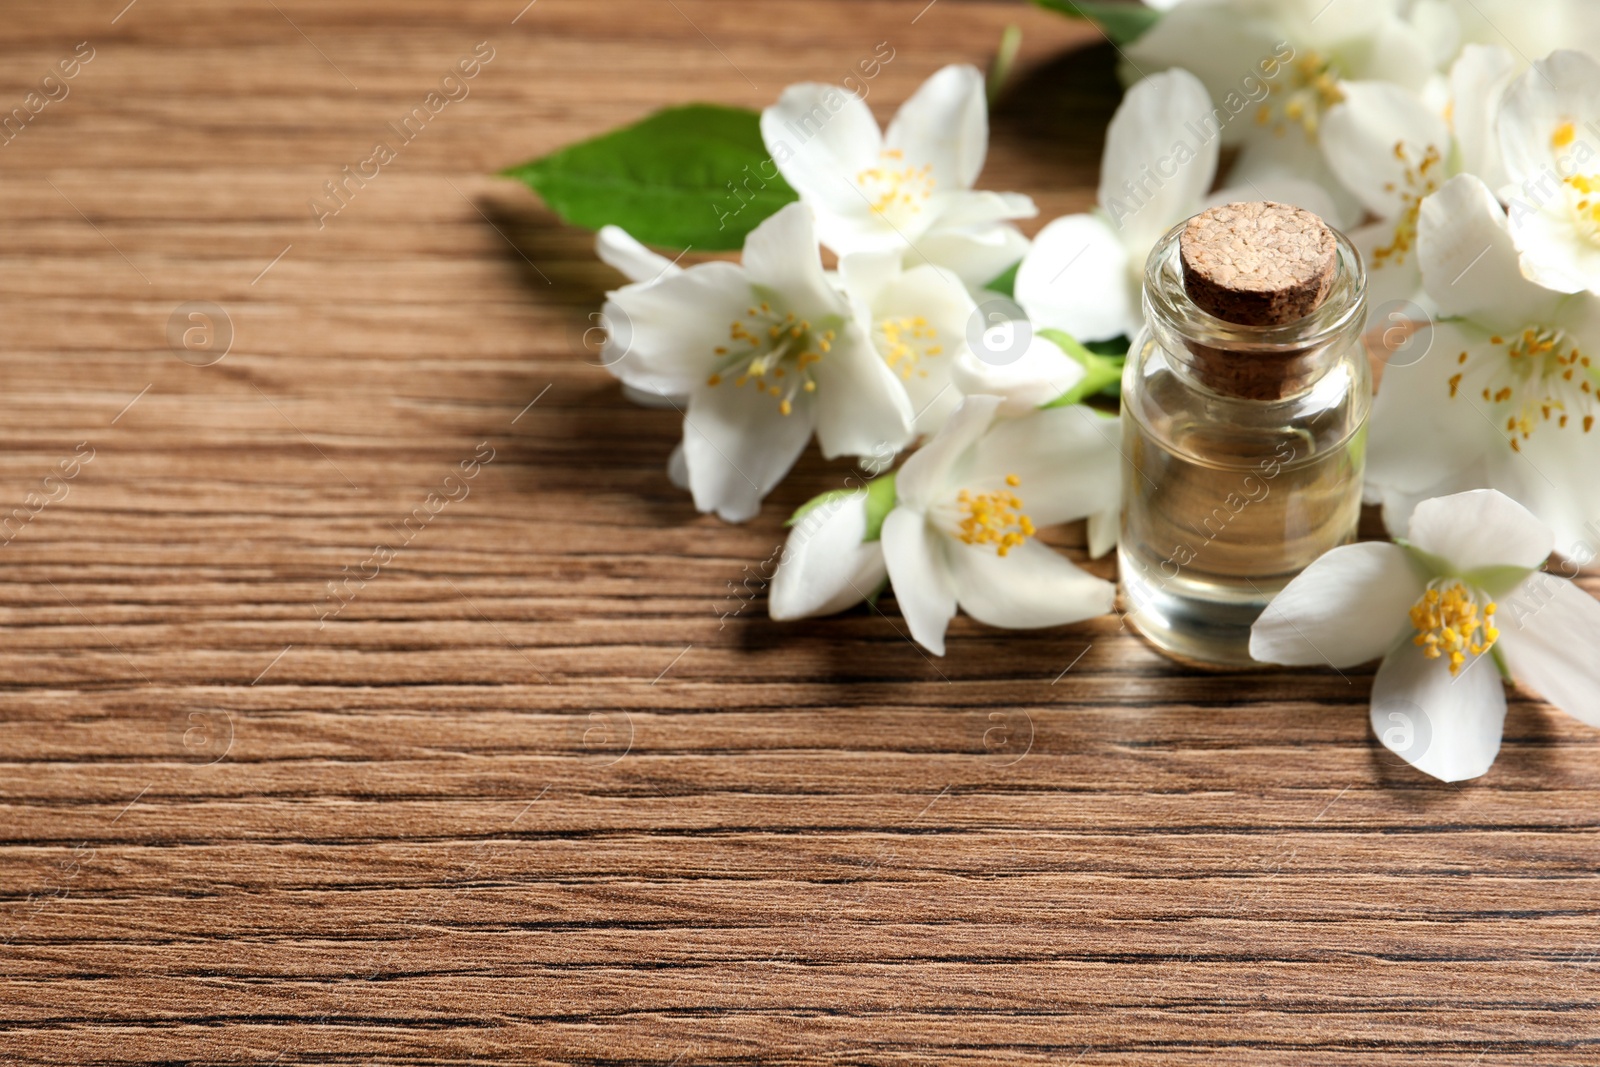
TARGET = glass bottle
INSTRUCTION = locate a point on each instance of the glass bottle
(1243, 455)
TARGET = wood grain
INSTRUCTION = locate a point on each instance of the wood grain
(551, 788)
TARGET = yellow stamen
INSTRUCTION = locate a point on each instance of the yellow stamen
(891, 186)
(1421, 179)
(769, 344)
(1301, 98)
(1539, 373)
(1453, 622)
(903, 343)
(993, 518)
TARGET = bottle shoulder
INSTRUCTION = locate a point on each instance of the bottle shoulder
(1169, 405)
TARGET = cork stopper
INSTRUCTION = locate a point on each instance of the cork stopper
(1256, 264)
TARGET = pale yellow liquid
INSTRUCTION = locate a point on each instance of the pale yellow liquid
(1216, 522)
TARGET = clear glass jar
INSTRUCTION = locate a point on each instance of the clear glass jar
(1243, 455)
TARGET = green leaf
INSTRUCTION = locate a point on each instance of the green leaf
(1100, 373)
(694, 176)
(1122, 23)
(881, 499)
(1006, 282)
(1113, 346)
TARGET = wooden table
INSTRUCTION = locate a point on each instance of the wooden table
(548, 785)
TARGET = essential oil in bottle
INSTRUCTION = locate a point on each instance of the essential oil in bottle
(1244, 405)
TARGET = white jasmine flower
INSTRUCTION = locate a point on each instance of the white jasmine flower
(766, 352)
(917, 320)
(618, 249)
(1084, 273)
(908, 190)
(1275, 67)
(1392, 152)
(828, 563)
(1478, 83)
(969, 503)
(1550, 147)
(1528, 29)
(1506, 391)
(1466, 587)
(834, 556)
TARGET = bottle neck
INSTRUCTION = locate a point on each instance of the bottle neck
(1262, 363)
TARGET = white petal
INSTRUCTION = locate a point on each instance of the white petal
(1530, 29)
(1104, 529)
(924, 477)
(1283, 188)
(1042, 373)
(1562, 90)
(1221, 44)
(1563, 87)
(945, 123)
(1436, 28)
(1469, 264)
(825, 566)
(738, 448)
(1554, 475)
(1555, 254)
(650, 398)
(816, 134)
(678, 466)
(1029, 587)
(1443, 725)
(1066, 460)
(1365, 136)
(1418, 433)
(977, 256)
(618, 249)
(1398, 504)
(1348, 607)
(929, 292)
(781, 254)
(1265, 159)
(668, 330)
(861, 408)
(940, 300)
(1400, 51)
(1478, 82)
(864, 275)
(1076, 278)
(1394, 277)
(981, 208)
(915, 557)
(1549, 634)
(1149, 148)
(1480, 528)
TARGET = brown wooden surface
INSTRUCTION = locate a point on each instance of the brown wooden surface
(552, 788)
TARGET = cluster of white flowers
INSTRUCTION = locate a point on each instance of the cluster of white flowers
(1467, 173)
(874, 358)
